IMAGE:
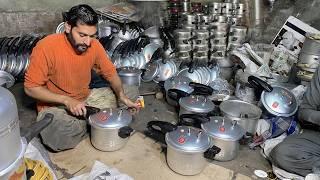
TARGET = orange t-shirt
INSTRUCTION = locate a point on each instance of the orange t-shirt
(55, 65)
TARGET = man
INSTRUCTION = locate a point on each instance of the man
(300, 154)
(59, 75)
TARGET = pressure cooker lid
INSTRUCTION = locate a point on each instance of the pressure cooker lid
(111, 118)
(178, 82)
(223, 128)
(280, 101)
(199, 104)
(151, 71)
(129, 71)
(188, 139)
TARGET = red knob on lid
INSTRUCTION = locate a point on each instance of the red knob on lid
(181, 140)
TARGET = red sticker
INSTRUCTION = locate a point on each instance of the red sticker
(275, 104)
(102, 117)
(222, 129)
(181, 140)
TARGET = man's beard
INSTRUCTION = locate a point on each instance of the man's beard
(79, 48)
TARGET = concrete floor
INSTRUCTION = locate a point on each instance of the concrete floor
(141, 158)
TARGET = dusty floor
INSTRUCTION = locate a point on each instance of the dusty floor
(141, 158)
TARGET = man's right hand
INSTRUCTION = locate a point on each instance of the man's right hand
(76, 107)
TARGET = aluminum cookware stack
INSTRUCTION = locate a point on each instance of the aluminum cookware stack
(183, 45)
(201, 46)
(15, 53)
(237, 36)
(159, 70)
(196, 7)
(309, 58)
(174, 10)
(185, 6)
(189, 21)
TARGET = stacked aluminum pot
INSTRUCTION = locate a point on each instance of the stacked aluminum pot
(183, 45)
(174, 9)
(185, 6)
(309, 58)
(237, 36)
(189, 21)
(201, 47)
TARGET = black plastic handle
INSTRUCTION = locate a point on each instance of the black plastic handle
(259, 84)
(176, 94)
(91, 110)
(125, 132)
(33, 131)
(192, 67)
(201, 89)
(157, 130)
(211, 152)
(194, 120)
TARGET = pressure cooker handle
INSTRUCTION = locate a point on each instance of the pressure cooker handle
(201, 89)
(157, 130)
(176, 94)
(125, 132)
(211, 152)
(32, 131)
(259, 84)
(91, 110)
(196, 120)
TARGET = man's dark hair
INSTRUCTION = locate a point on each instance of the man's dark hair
(82, 14)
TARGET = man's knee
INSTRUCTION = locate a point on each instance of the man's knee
(65, 131)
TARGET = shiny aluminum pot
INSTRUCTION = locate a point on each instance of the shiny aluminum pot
(220, 18)
(184, 47)
(189, 19)
(239, 9)
(215, 8)
(110, 129)
(206, 19)
(310, 59)
(219, 41)
(188, 148)
(218, 47)
(235, 21)
(245, 113)
(236, 39)
(218, 34)
(182, 34)
(17, 166)
(204, 27)
(201, 34)
(189, 27)
(196, 104)
(225, 134)
(275, 100)
(238, 31)
(311, 46)
(9, 129)
(130, 75)
(180, 83)
(219, 26)
(200, 47)
(226, 8)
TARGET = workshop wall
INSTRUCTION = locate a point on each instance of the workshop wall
(43, 16)
(37, 16)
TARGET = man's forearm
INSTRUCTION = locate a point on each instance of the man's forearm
(116, 85)
(43, 94)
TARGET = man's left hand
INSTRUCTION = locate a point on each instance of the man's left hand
(130, 104)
